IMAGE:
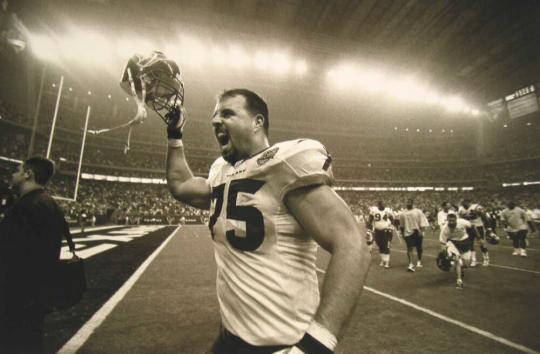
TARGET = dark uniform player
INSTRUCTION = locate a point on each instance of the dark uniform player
(475, 213)
(83, 219)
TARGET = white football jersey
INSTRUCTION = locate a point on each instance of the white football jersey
(515, 218)
(459, 233)
(266, 276)
(381, 218)
(472, 214)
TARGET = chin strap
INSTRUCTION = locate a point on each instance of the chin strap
(139, 118)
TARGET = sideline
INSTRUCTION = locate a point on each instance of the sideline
(82, 335)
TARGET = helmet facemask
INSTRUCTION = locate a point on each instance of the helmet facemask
(156, 81)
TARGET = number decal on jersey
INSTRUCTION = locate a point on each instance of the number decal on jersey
(217, 194)
(249, 214)
(378, 217)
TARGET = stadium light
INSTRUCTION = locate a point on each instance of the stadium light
(194, 53)
(70, 89)
(261, 60)
(280, 63)
(43, 47)
(237, 57)
(404, 88)
(300, 67)
(218, 56)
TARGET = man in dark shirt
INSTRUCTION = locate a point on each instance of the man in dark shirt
(30, 240)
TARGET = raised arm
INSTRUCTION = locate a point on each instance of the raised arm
(183, 185)
(326, 217)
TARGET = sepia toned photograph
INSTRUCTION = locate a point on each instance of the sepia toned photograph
(269, 176)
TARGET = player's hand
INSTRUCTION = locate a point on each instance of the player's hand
(369, 235)
(176, 119)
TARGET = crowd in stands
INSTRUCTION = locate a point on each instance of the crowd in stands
(133, 203)
(403, 159)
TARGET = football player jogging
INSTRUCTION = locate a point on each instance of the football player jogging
(476, 215)
(270, 207)
(380, 222)
(412, 223)
(454, 240)
(514, 220)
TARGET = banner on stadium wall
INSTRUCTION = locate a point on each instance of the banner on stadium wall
(496, 110)
(522, 106)
(154, 220)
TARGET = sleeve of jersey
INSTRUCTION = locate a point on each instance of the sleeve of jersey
(442, 236)
(213, 171)
(304, 164)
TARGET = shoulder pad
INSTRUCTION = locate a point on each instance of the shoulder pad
(300, 163)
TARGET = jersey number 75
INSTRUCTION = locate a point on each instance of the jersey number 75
(249, 214)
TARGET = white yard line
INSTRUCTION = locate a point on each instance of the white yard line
(490, 264)
(496, 246)
(463, 325)
(82, 335)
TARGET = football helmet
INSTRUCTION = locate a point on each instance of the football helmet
(444, 261)
(156, 80)
(492, 238)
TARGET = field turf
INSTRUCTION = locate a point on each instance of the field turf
(172, 307)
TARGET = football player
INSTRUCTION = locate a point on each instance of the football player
(514, 221)
(412, 223)
(380, 222)
(443, 213)
(536, 218)
(454, 240)
(271, 206)
(476, 215)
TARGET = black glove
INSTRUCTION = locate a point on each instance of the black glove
(175, 122)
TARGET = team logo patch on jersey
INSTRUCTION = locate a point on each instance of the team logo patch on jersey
(267, 156)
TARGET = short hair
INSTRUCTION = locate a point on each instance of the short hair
(42, 168)
(254, 103)
(451, 215)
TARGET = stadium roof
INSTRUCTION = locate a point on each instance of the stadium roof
(487, 47)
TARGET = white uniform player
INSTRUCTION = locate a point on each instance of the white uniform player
(266, 283)
(515, 222)
(454, 237)
(380, 222)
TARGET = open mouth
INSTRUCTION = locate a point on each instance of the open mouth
(222, 138)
